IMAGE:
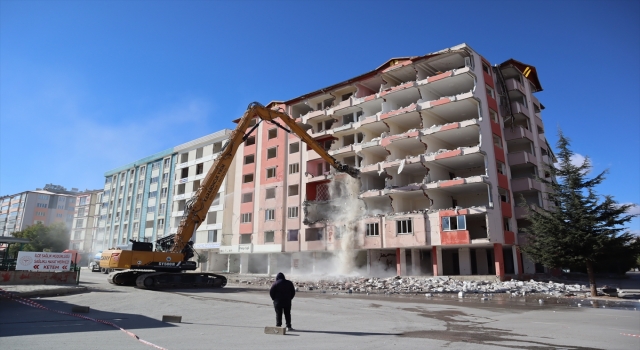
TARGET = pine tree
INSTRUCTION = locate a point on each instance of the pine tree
(582, 226)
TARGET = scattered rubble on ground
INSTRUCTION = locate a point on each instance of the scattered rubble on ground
(428, 286)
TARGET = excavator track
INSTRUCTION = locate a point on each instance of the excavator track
(167, 280)
(126, 277)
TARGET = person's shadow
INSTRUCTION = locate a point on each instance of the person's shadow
(358, 334)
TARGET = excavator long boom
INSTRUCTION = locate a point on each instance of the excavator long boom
(196, 209)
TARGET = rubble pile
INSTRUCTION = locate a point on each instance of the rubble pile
(429, 285)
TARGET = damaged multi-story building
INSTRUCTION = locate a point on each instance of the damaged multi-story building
(447, 145)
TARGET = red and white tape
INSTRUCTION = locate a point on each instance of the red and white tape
(631, 335)
(32, 303)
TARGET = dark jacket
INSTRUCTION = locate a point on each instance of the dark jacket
(282, 290)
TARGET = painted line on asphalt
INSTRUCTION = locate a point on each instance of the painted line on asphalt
(631, 335)
(32, 303)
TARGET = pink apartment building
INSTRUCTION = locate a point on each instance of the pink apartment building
(447, 145)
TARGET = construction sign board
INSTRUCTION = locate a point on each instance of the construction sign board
(43, 261)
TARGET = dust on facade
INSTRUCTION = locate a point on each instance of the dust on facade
(444, 143)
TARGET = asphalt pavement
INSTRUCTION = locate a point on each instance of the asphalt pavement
(235, 317)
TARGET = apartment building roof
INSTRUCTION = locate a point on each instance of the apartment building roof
(527, 70)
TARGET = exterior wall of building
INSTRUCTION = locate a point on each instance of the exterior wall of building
(439, 169)
(136, 201)
(194, 159)
(87, 213)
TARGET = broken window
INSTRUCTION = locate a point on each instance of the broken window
(251, 140)
(212, 217)
(212, 236)
(293, 190)
(272, 152)
(347, 118)
(249, 159)
(504, 195)
(271, 173)
(247, 197)
(269, 236)
(269, 214)
(294, 148)
(181, 188)
(270, 193)
(497, 140)
(485, 68)
(490, 91)
(494, 116)
(272, 133)
(292, 212)
(217, 147)
(372, 229)
(247, 178)
(454, 223)
(346, 96)
(184, 172)
(245, 238)
(313, 234)
(500, 167)
(199, 168)
(506, 224)
(292, 235)
(404, 227)
(294, 168)
(216, 200)
(244, 218)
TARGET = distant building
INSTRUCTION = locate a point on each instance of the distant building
(84, 233)
(145, 200)
(47, 205)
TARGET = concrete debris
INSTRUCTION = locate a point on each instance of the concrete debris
(430, 285)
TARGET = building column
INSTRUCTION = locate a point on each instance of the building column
(499, 260)
(415, 262)
(271, 264)
(401, 262)
(517, 265)
(464, 260)
(244, 263)
(369, 262)
(437, 261)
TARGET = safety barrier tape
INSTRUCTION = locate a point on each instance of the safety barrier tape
(32, 303)
(631, 335)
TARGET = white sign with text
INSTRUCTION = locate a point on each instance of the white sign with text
(43, 261)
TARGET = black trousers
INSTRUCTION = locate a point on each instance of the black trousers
(280, 307)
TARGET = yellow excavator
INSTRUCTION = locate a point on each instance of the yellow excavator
(165, 267)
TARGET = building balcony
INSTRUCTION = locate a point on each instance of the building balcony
(449, 83)
(518, 132)
(515, 88)
(525, 184)
(449, 109)
(458, 134)
(518, 109)
(521, 158)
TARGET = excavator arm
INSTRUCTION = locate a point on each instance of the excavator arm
(196, 209)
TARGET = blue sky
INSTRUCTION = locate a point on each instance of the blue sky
(87, 86)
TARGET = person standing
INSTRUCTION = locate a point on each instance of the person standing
(282, 292)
